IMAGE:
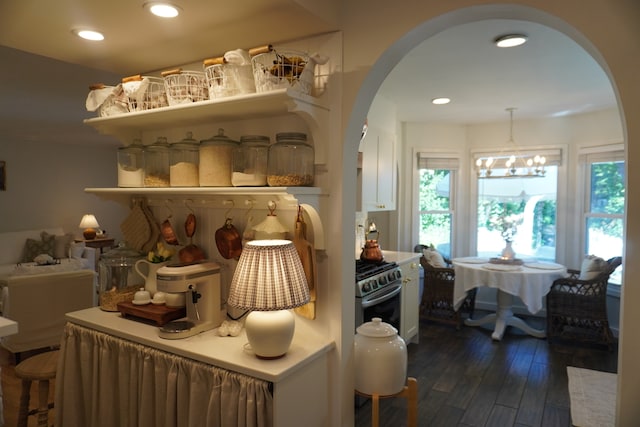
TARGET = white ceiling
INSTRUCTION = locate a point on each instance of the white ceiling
(549, 76)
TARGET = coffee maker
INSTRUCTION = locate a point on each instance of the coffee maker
(200, 285)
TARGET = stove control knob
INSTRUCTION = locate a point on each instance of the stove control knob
(366, 287)
(382, 281)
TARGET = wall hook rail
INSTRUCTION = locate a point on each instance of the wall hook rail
(227, 203)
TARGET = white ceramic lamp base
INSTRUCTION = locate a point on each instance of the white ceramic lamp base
(270, 332)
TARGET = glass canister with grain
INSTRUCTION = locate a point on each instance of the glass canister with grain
(291, 161)
(216, 158)
(117, 277)
(156, 163)
(183, 161)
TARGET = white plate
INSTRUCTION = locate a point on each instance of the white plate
(143, 302)
(544, 265)
(471, 260)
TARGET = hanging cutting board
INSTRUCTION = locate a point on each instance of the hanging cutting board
(135, 228)
(154, 229)
(307, 255)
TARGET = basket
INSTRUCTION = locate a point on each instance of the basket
(185, 87)
(283, 69)
(144, 92)
(224, 79)
(106, 100)
(115, 104)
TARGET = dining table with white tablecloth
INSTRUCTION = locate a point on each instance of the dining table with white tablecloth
(529, 280)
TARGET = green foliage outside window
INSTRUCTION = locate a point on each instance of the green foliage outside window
(434, 208)
(607, 196)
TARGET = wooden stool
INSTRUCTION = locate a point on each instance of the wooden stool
(41, 368)
(410, 392)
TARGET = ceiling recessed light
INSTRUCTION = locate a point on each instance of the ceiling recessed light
(163, 10)
(440, 101)
(89, 35)
(510, 40)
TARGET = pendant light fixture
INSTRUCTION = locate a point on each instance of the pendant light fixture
(515, 164)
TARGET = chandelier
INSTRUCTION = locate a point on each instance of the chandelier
(515, 164)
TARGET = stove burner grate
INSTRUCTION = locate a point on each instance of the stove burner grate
(365, 269)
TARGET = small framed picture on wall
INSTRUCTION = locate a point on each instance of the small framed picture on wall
(3, 175)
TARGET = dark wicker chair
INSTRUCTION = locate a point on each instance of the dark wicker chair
(577, 309)
(437, 294)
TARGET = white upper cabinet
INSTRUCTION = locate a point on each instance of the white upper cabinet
(379, 174)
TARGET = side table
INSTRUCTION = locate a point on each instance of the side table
(98, 243)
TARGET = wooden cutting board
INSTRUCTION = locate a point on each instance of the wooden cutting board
(307, 255)
(159, 314)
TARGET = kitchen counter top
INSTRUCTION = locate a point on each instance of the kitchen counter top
(224, 352)
(400, 257)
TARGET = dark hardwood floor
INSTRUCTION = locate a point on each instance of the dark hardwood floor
(467, 379)
(464, 379)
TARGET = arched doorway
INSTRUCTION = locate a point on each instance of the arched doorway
(388, 58)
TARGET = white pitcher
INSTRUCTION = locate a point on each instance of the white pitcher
(150, 283)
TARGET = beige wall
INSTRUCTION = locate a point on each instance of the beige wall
(51, 155)
(607, 30)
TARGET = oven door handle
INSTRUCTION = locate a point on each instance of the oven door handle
(386, 296)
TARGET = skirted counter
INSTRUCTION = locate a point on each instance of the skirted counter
(118, 372)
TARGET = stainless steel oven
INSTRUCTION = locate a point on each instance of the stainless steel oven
(378, 289)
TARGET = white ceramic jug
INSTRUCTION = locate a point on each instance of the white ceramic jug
(380, 359)
(150, 281)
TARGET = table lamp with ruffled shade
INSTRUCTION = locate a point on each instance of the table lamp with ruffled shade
(269, 280)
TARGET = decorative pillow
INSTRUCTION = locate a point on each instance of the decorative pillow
(63, 244)
(76, 249)
(434, 258)
(591, 267)
(33, 248)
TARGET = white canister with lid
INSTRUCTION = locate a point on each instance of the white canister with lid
(380, 359)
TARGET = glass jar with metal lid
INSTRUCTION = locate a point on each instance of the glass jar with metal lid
(216, 154)
(250, 161)
(291, 161)
(156, 163)
(118, 278)
(183, 162)
(131, 165)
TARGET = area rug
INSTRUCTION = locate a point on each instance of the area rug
(593, 397)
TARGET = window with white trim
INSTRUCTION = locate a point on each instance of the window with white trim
(603, 221)
(519, 210)
(436, 209)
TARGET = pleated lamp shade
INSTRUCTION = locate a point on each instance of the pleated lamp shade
(269, 276)
(269, 279)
